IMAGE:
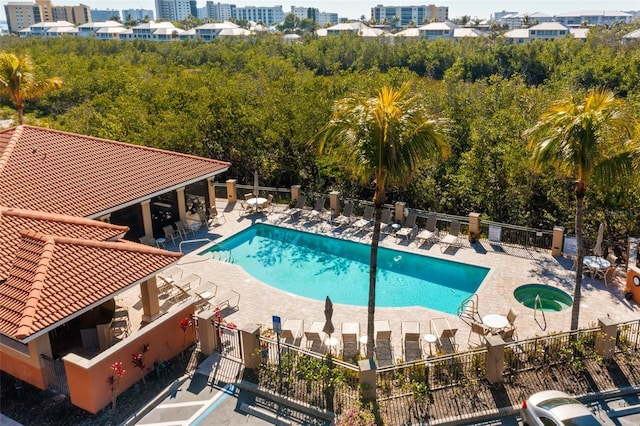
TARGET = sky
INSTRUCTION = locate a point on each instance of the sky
(354, 9)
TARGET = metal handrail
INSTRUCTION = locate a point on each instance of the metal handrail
(199, 240)
(538, 302)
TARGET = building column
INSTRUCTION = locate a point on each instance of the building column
(182, 205)
(250, 346)
(494, 363)
(606, 339)
(474, 223)
(295, 192)
(367, 378)
(400, 206)
(147, 222)
(556, 241)
(232, 194)
(150, 302)
(334, 204)
(207, 333)
(212, 193)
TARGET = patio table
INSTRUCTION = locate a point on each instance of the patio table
(595, 263)
(495, 322)
(256, 202)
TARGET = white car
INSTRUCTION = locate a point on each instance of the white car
(556, 408)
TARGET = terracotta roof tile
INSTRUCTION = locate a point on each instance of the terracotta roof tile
(53, 277)
(14, 220)
(60, 172)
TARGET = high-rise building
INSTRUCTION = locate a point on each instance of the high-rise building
(306, 13)
(266, 15)
(21, 15)
(176, 10)
(220, 11)
(401, 16)
(327, 18)
(137, 14)
(103, 15)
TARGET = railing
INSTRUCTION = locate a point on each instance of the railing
(628, 337)
(309, 377)
(435, 373)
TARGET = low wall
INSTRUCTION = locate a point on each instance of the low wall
(88, 378)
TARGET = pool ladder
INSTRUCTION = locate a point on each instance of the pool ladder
(537, 303)
(222, 256)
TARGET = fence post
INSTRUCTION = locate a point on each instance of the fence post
(367, 378)
(334, 204)
(474, 223)
(606, 338)
(400, 205)
(495, 359)
(556, 241)
(207, 333)
(232, 195)
(295, 192)
(250, 336)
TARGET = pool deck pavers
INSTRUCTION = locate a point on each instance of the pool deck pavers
(509, 268)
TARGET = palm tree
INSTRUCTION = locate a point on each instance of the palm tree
(382, 140)
(19, 83)
(583, 141)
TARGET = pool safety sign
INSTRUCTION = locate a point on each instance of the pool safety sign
(277, 325)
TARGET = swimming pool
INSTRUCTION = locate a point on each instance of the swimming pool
(317, 266)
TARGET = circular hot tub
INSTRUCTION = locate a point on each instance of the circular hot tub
(542, 297)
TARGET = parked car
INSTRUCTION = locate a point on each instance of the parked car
(556, 408)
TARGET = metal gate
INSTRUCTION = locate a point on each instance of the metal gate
(55, 374)
(229, 339)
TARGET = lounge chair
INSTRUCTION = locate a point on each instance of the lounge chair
(386, 220)
(409, 227)
(292, 330)
(350, 341)
(346, 217)
(366, 220)
(411, 341)
(298, 207)
(184, 229)
(383, 348)
(170, 233)
(318, 208)
(315, 336)
(452, 239)
(215, 216)
(445, 334)
(429, 233)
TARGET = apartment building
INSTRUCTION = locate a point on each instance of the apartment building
(220, 11)
(402, 16)
(103, 15)
(22, 15)
(266, 15)
(176, 10)
(137, 14)
(593, 17)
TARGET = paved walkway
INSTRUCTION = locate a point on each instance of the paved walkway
(507, 271)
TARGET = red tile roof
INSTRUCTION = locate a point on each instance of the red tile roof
(53, 277)
(66, 173)
(12, 221)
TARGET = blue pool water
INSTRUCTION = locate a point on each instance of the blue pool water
(317, 266)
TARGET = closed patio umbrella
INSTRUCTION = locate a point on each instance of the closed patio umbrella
(597, 249)
(328, 325)
(255, 183)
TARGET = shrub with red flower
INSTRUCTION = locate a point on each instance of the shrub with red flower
(138, 361)
(114, 380)
(184, 325)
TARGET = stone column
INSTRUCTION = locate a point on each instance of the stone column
(367, 378)
(150, 303)
(207, 333)
(295, 192)
(334, 204)
(250, 336)
(556, 241)
(474, 223)
(232, 194)
(495, 359)
(606, 339)
(182, 205)
(147, 222)
(212, 192)
(400, 206)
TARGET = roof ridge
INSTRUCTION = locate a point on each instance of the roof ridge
(57, 217)
(127, 144)
(119, 244)
(4, 156)
(37, 284)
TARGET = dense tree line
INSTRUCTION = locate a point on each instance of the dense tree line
(257, 102)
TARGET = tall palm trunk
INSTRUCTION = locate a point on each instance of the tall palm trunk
(373, 266)
(580, 190)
